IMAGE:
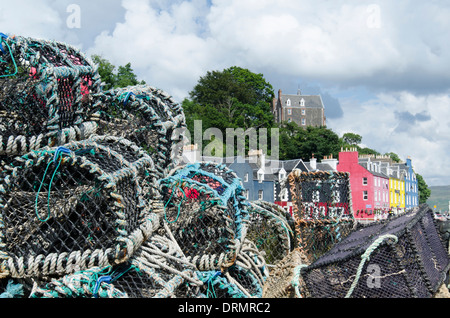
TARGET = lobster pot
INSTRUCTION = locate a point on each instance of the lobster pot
(156, 270)
(270, 229)
(322, 210)
(70, 208)
(44, 89)
(206, 212)
(147, 116)
(400, 257)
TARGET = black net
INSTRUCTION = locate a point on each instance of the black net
(147, 116)
(322, 210)
(71, 207)
(205, 210)
(271, 229)
(45, 93)
(402, 257)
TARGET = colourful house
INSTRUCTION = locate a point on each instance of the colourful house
(411, 186)
(380, 185)
(397, 189)
(361, 183)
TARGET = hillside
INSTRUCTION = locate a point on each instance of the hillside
(440, 195)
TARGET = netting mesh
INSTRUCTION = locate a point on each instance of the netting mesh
(44, 94)
(322, 210)
(271, 230)
(68, 208)
(206, 211)
(402, 257)
(145, 115)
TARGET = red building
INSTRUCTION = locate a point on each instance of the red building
(368, 186)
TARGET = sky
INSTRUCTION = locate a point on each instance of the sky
(382, 67)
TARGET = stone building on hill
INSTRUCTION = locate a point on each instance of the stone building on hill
(304, 110)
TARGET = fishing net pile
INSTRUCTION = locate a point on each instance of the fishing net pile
(93, 200)
(400, 257)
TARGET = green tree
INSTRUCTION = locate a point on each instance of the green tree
(393, 156)
(232, 98)
(124, 76)
(424, 191)
(351, 138)
(299, 143)
(106, 71)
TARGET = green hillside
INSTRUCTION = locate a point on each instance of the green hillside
(440, 195)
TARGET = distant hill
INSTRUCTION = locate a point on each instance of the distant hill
(440, 195)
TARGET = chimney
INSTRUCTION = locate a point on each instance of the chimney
(313, 162)
(331, 161)
(191, 154)
(258, 157)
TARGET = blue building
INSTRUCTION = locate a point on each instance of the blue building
(411, 185)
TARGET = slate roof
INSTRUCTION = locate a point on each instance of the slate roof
(311, 101)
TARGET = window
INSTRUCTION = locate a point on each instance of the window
(260, 194)
(289, 111)
(246, 177)
(302, 102)
(364, 181)
(284, 195)
(365, 195)
(246, 194)
(289, 120)
(288, 102)
(303, 112)
(303, 121)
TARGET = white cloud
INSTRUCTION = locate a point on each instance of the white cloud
(398, 50)
(422, 135)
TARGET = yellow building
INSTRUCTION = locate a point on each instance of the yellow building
(397, 189)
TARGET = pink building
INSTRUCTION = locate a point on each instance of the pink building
(370, 188)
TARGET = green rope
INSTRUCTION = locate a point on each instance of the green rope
(12, 57)
(49, 191)
(296, 279)
(366, 256)
(179, 205)
(49, 188)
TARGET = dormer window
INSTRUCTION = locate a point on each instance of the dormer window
(260, 176)
(288, 102)
(302, 102)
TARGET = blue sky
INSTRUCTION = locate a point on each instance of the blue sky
(381, 66)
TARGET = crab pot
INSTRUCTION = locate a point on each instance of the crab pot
(147, 116)
(156, 270)
(67, 209)
(270, 229)
(44, 89)
(403, 257)
(206, 212)
(322, 210)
